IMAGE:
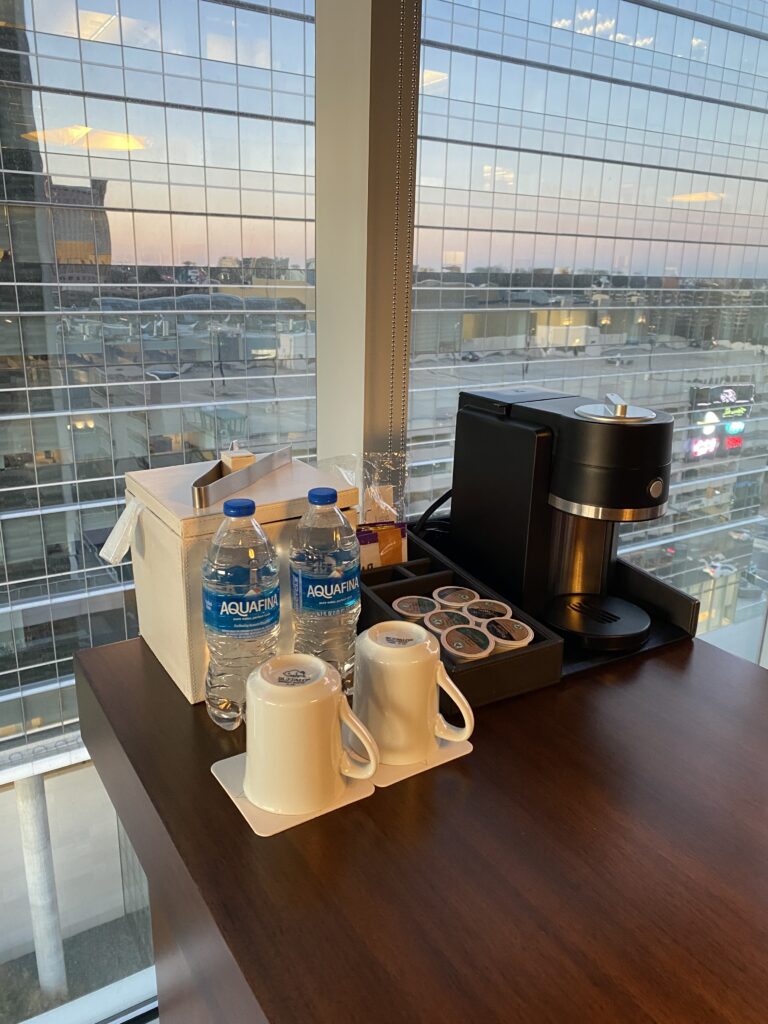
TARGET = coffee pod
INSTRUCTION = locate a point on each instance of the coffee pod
(467, 643)
(454, 597)
(508, 633)
(442, 619)
(414, 607)
(483, 610)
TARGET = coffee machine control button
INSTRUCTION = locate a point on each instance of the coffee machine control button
(615, 409)
(616, 404)
(656, 488)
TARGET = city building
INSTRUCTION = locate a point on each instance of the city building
(156, 232)
(591, 216)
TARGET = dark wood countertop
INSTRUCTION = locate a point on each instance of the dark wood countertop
(602, 856)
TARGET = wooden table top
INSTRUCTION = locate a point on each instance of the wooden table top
(601, 856)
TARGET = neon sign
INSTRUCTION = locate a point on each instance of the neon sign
(710, 421)
(700, 446)
(735, 411)
(706, 396)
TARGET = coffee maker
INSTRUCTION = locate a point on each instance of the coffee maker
(541, 481)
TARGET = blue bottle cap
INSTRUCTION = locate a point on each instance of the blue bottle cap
(236, 507)
(322, 496)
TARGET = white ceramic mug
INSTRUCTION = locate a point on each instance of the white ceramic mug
(397, 675)
(295, 762)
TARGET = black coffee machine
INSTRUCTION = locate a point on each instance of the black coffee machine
(541, 481)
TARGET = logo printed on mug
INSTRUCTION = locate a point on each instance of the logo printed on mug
(399, 641)
(294, 677)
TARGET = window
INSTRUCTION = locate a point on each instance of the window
(121, 217)
(588, 228)
(157, 158)
(99, 942)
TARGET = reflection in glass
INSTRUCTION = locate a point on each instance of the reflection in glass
(53, 449)
(153, 278)
(556, 246)
(58, 17)
(98, 20)
(221, 149)
(253, 42)
(180, 31)
(140, 22)
(147, 124)
(185, 136)
(217, 31)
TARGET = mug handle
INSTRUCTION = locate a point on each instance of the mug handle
(354, 769)
(444, 731)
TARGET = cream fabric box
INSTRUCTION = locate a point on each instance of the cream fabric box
(171, 538)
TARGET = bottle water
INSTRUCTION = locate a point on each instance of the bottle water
(241, 609)
(325, 583)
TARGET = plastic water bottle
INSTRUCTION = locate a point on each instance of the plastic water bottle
(325, 583)
(241, 609)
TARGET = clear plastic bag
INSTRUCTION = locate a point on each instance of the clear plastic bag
(380, 480)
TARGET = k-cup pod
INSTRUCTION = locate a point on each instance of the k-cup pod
(467, 643)
(508, 633)
(454, 597)
(483, 610)
(437, 622)
(414, 606)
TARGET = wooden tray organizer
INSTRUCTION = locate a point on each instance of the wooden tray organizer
(500, 675)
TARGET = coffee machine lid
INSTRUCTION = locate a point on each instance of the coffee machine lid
(615, 409)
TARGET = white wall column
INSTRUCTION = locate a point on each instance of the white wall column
(367, 72)
(41, 884)
(342, 76)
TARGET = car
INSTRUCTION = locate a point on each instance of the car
(161, 373)
(531, 297)
(740, 535)
(615, 357)
(716, 568)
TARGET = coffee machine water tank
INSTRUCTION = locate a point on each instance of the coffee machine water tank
(541, 482)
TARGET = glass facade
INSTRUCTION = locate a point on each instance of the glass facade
(156, 291)
(99, 924)
(592, 216)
